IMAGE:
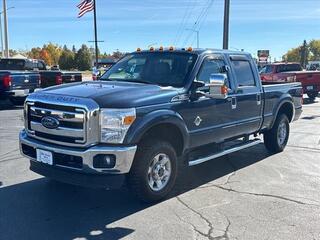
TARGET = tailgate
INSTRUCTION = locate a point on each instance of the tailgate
(310, 80)
(68, 77)
(24, 80)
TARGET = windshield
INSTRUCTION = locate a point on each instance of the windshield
(289, 68)
(12, 64)
(161, 68)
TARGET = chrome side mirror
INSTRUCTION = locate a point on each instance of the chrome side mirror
(218, 86)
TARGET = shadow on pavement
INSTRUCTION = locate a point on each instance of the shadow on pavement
(7, 105)
(307, 101)
(43, 209)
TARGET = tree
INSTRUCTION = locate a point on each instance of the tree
(54, 52)
(314, 47)
(66, 60)
(83, 58)
(34, 53)
(44, 55)
(293, 55)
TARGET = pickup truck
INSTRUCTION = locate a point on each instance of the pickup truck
(292, 72)
(151, 112)
(16, 85)
(48, 77)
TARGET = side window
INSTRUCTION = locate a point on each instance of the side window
(41, 66)
(243, 73)
(211, 66)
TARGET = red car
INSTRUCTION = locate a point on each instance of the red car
(292, 72)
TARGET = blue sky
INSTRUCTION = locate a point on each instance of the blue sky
(277, 25)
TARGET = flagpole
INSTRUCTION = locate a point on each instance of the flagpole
(95, 32)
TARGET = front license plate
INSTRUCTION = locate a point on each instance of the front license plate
(309, 87)
(44, 157)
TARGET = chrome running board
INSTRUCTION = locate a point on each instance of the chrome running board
(238, 147)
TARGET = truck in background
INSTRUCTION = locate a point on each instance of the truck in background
(292, 72)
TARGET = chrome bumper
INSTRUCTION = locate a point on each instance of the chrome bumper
(124, 155)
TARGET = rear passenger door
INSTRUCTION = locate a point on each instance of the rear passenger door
(247, 98)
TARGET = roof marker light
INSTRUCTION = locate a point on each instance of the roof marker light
(138, 49)
(171, 48)
(151, 49)
(189, 49)
(161, 48)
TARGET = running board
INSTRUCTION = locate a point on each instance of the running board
(225, 152)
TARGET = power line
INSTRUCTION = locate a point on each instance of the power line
(200, 19)
(184, 21)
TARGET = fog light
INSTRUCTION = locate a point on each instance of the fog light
(104, 161)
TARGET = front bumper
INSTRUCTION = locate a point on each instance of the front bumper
(76, 160)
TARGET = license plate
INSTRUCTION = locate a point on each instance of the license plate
(44, 157)
(309, 87)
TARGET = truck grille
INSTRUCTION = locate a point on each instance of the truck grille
(71, 129)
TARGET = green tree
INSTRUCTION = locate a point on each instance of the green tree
(66, 60)
(293, 55)
(314, 47)
(83, 58)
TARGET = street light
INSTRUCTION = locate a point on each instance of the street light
(196, 31)
(1, 32)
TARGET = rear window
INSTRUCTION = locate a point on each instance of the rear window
(12, 64)
(243, 73)
(289, 68)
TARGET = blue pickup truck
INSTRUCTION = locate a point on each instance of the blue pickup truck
(16, 84)
(151, 112)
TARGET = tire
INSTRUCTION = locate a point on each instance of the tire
(276, 139)
(140, 177)
(18, 101)
(312, 95)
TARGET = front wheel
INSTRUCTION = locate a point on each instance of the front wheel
(154, 170)
(276, 139)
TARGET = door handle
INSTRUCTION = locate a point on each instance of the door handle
(258, 99)
(233, 102)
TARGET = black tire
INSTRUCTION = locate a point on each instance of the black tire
(18, 101)
(273, 142)
(312, 96)
(138, 178)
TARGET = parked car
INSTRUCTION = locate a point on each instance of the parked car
(150, 113)
(48, 77)
(292, 72)
(15, 84)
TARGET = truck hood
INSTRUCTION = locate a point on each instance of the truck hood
(116, 94)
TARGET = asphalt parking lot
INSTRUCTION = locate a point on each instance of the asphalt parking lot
(246, 195)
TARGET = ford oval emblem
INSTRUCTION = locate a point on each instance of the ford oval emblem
(50, 122)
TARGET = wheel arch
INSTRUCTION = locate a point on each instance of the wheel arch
(163, 124)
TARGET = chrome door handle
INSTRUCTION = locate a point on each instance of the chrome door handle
(233, 102)
(258, 99)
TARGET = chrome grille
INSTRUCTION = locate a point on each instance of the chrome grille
(72, 124)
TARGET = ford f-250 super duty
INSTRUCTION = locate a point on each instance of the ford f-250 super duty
(151, 112)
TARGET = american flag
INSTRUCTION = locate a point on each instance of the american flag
(85, 6)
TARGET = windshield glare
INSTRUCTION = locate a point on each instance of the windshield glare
(164, 69)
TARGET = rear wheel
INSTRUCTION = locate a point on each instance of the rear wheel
(154, 171)
(17, 101)
(276, 139)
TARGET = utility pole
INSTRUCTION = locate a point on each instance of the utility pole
(226, 24)
(96, 32)
(1, 32)
(6, 37)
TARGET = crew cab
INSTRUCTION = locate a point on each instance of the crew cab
(151, 112)
(292, 72)
(15, 84)
(48, 77)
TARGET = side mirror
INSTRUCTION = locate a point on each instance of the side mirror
(217, 86)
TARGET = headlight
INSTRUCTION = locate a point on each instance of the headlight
(115, 123)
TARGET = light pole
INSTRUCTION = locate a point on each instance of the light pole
(198, 35)
(1, 32)
(226, 24)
